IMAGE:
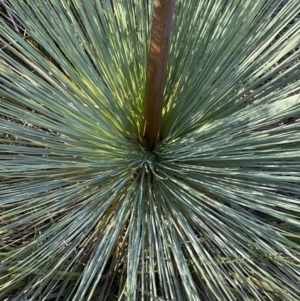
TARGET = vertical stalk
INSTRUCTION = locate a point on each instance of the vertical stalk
(162, 21)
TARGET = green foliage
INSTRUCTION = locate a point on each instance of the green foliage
(87, 213)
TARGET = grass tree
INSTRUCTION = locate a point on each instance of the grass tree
(134, 167)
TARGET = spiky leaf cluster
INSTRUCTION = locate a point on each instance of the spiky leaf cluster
(88, 213)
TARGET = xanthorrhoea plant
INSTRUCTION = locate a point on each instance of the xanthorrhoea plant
(89, 213)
